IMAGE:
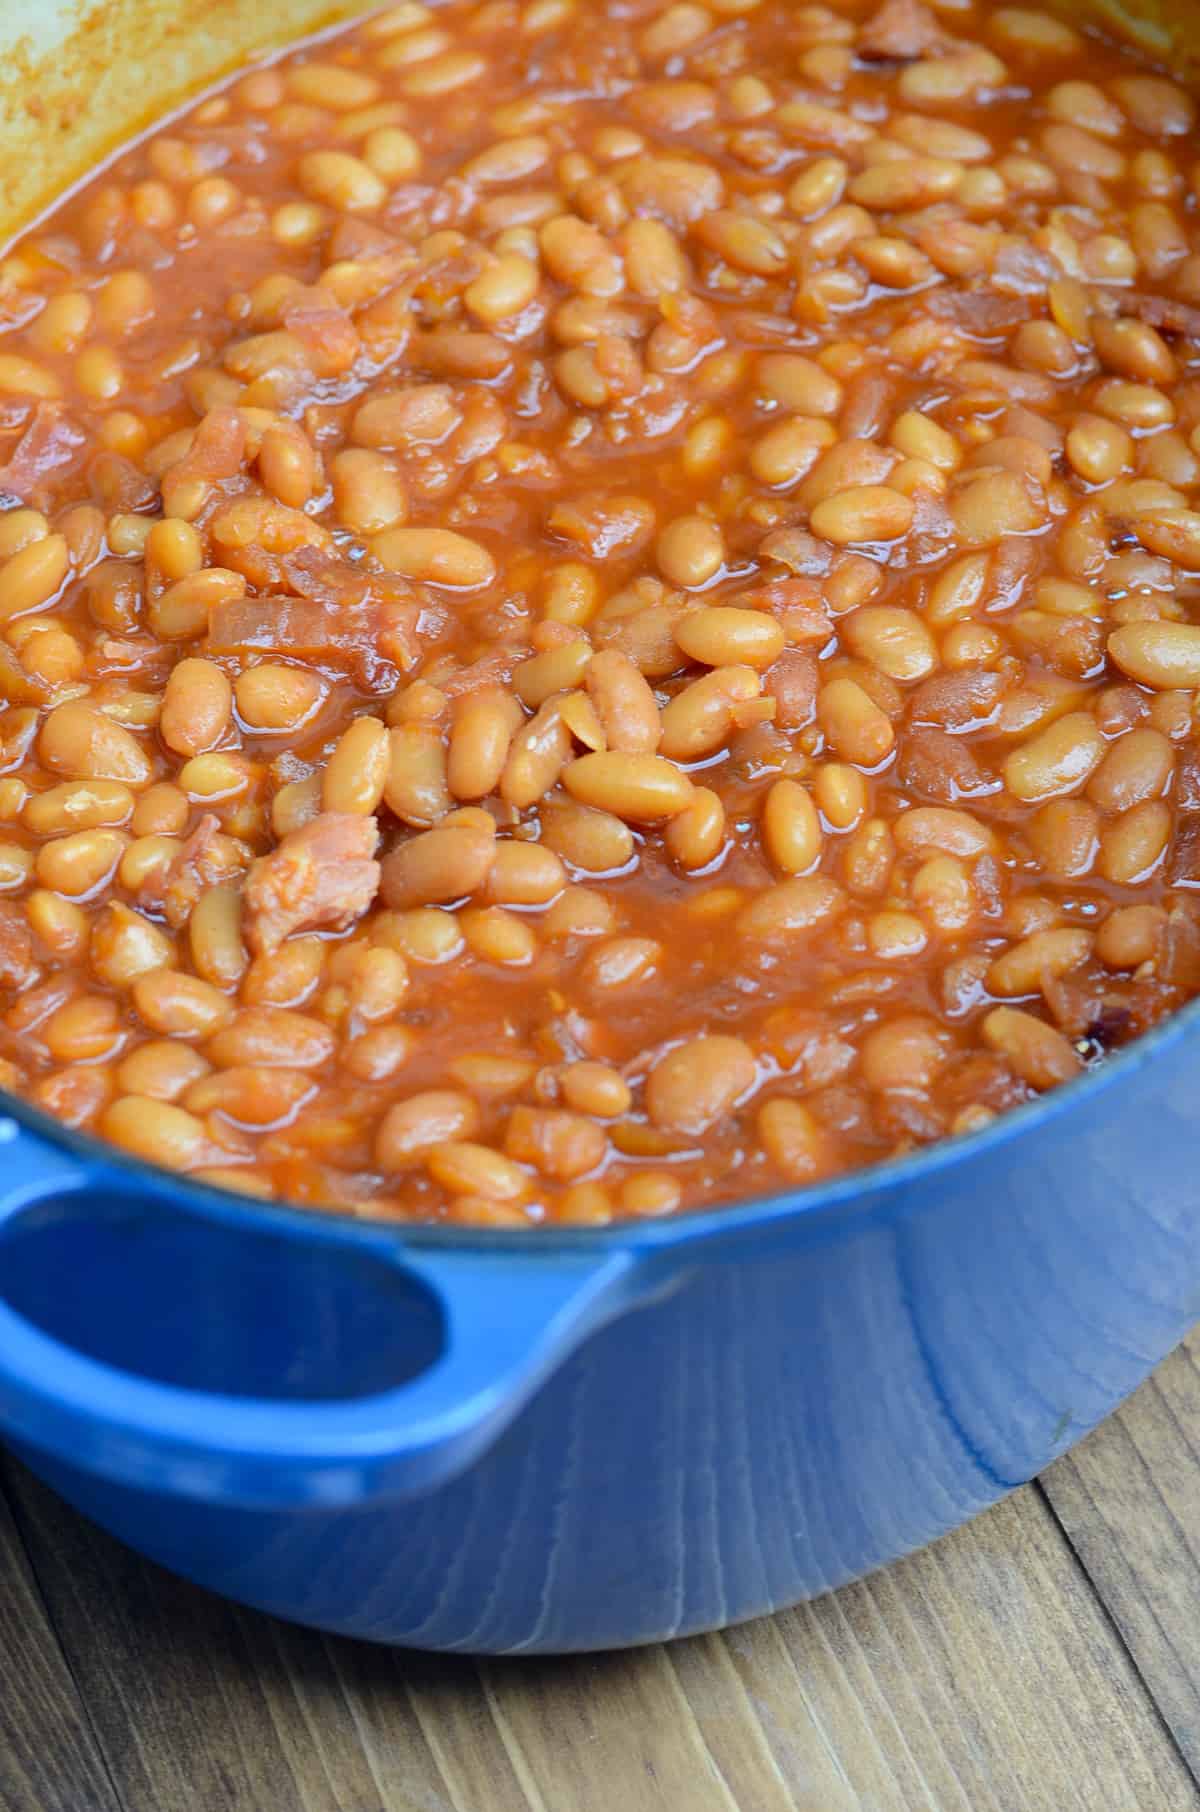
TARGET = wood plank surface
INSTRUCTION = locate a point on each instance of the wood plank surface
(1128, 1499)
(984, 1675)
(49, 1759)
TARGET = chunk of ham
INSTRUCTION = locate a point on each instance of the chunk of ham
(941, 768)
(368, 641)
(299, 627)
(174, 892)
(792, 681)
(901, 31)
(977, 309)
(17, 966)
(324, 329)
(334, 615)
(322, 876)
(1162, 312)
(217, 452)
(51, 443)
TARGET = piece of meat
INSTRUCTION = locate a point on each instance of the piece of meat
(791, 681)
(17, 966)
(327, 578)
(958, 701)
(1110, 1028)
(175, 892)
(1187, 779)
(334, 614)
(1183, 861)
(1021, 268)
(901, 31)
(325, 331)
(867, 407)
(605, 527)
(355, 238)
(1179, 952)
(119, 486)
(52, 442)
(363, 640)
(1079, 1000)
(978, 310)
(490, 670)
(1011, 566)
(796, 549)
(123, 654)
(940, 769)
(979, 1079)
(1160, 312)
(798, 604)
(909, 1117)
(806, 1045)
(323, 875)
(217, 453)
(300, 628)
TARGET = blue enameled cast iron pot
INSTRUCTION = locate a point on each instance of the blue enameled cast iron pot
(539, 1442)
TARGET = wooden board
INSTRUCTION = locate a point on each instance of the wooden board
(49, 1759)
(986, 1675)
(1128, 1499)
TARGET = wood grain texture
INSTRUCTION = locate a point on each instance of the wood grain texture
(49, 1759)
(981, 1676)
(197, 1703)
(1128, 1499)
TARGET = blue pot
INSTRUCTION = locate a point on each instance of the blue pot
(543, 1442)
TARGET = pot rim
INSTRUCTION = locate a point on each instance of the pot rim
(838, 1197)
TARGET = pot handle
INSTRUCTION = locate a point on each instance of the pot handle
(507, 1321)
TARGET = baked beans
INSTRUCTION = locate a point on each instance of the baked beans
(600, 611)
